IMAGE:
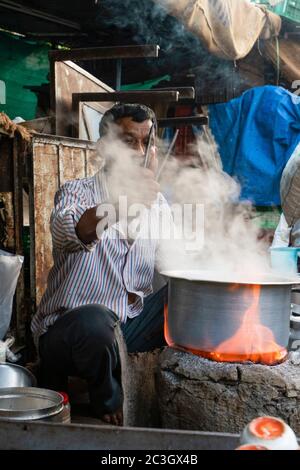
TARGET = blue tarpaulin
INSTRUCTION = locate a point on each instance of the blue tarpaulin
(256, 135)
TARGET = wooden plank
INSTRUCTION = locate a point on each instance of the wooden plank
(71, 163)
(92, 162)
(42, 125)
(200, 120)
(66, 141)
(11, 223)
(68, 78)
(45, 184)
(18, 193)
(20, 314)
(7, 221)
(54, 161)
(53, 93)
(97, 53)
(8, 236)
(129, 96)
(185, 92)
(6, 163)
(31, 195)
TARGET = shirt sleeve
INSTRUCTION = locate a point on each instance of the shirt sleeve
(69, 205)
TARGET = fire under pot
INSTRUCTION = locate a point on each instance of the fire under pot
(229, 321)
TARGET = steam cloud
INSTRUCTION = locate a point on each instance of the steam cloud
(231, 250)
(122, 166)
(150, 23)
(181, 50)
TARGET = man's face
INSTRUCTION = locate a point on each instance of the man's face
(136, 136)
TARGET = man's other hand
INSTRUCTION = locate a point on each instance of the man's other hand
(86, 227)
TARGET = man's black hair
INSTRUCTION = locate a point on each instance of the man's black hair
(138, 113)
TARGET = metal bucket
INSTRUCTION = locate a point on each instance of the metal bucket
(27, 404)
(202, 315)
(12, 375)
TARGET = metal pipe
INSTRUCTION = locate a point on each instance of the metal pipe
(176, 122)
(146, 162)
(170, 149)
(101, 53)
(118, 74)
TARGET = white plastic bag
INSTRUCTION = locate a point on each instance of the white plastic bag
(10, 267)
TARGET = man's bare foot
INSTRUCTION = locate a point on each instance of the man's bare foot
(114, 418)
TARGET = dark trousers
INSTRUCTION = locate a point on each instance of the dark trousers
(82, 343)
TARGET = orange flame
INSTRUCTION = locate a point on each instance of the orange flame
(252, 342)
(166, 330)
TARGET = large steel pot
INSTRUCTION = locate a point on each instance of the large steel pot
(203, 313)
(13, 375)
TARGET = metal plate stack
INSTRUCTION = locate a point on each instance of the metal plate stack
(13, 375)
(29, 403)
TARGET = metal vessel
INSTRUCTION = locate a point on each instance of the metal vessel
(13, 375)
(229, 321)
(29, 403)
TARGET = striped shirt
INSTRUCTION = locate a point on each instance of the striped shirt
(103, 272)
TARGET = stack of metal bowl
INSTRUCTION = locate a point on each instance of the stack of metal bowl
(29, 403)
(21, 400)
(12, 375)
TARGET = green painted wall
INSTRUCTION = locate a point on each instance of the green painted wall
(22, 62)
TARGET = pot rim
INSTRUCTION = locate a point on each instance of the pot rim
(55, 403)
(231, 278)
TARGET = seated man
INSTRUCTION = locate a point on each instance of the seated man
(99, 279)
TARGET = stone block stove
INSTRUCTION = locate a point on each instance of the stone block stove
(199, 394)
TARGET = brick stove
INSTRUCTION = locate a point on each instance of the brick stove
(199, 394)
